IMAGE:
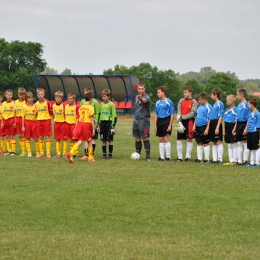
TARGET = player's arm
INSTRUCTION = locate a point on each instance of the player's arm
(218, 125)
(114, 115)
(194, 125)
(155, 122)
(143, 98)
(172, 117)
(96, 112)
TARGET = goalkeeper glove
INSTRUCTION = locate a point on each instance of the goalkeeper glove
(112, 130)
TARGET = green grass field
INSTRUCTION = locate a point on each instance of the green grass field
(123, 209)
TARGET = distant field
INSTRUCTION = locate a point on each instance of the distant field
(123, 209)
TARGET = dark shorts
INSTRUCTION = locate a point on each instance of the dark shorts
(253, 140)
(240, 129)
(212, 136)
(199, 135)
(188, 132)
(229, 137)
(141, 128)
(105, 127)
(162, 125)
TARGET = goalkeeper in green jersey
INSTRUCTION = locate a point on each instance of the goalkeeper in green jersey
(107, 121)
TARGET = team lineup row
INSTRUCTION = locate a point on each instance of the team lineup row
(78, 124)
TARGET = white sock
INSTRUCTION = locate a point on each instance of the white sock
(214, 153)
(161, 149)
(234, 152)
(230, 157)
(253, 155)
(189, 149)
(246, 152)
(199, 152)
(239, 152)
(168, 149)
(206, 152)
(179, 149)
(220, 152)
(257, 159)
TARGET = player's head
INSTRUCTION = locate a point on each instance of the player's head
(215, 93)
(9, 94)
(241, 93)
(106, 95)
(29, 97)
(71, 98)
(161, 92)
(1, 96)
(230, 100)
(141, 88)
(252, 103)
(40, 93)
(187, 91)
(203, 98)
(21, 94)
(88, 90)
(88, 96)
(58, 97)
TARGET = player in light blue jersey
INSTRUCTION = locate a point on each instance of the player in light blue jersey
(163, 119)
(253, 132)
(230, 120)
(201, 128)
(243, 114)
(215, 127)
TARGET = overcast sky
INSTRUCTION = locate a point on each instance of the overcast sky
(186, 35)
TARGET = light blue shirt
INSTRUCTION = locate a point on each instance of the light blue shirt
(254, 122)
(164, 108)
(217, 111)
(230, 116)
(202, 115)
(243, 112)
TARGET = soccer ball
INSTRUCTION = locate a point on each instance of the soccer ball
(135, 156)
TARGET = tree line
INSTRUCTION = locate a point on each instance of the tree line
(20, 61)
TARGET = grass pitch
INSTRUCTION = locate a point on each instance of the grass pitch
(123, 209)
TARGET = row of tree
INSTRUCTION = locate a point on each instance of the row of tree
(20, 61)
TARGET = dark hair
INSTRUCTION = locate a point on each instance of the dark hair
(217, 92)
(189, 88)
(253, 101)
(203, 95)
(242, 92)
(141, 84)
(106, 92)
(88, 96)
(163, 89)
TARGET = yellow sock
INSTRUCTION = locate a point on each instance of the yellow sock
(13, 146)
(41, 149)
(90, 153)
(8, 145)
(74, 149)
(28, 146)
(48, 146)
(58, 147)
(37, 148)
(3, 145)
(22, 144)
(65, 147)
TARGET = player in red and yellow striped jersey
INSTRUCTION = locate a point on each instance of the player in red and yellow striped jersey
(2, 140)
(71, 111)
(19, 103)
(29, 124)
(84, 129)
(44, 129)
(58, 111)
(8, 122)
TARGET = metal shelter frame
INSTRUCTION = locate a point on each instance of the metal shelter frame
(122, 86)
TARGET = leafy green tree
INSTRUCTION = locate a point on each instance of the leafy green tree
(49, 70)
(153, 78)
(197, 87)
(19, 62)
(224, 82)
(66, 72)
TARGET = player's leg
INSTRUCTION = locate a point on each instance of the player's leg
(137, 136)
(85, 156)
(110, 149)
(145, 135)
(161, 147)
(168, 147)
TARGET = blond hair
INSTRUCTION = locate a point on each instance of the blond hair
(58, 94)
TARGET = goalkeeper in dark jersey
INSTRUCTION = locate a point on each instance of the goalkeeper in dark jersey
(106, 123)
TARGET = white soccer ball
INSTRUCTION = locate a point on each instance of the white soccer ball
(135, 156)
